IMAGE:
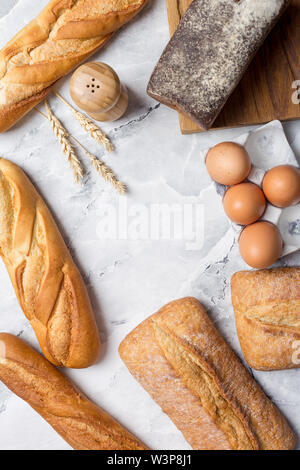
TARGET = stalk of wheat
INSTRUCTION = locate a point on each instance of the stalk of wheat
(68, 149)
(89, 126)
(106, 172)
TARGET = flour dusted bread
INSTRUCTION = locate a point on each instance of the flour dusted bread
(80, 422)
(267, 313)
(181, 360)
(209, 53)
(48, 285)
(63, 35)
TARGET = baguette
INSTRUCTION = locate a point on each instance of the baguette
(48, 285)
(63, 35)
(80, 422)
(267, 314)
(181, 360)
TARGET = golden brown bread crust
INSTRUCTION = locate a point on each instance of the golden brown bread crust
(48, 285)
(80, 422)
(189, 370)
(267, 313)
(63, 35)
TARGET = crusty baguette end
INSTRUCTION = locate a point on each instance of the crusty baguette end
(62, 36)
(80, 422)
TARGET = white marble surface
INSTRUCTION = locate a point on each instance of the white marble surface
(128, 279)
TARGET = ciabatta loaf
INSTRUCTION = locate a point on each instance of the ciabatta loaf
(267, 314)
(179, 357)
(48, 285)
(64, 34)
(80, 422)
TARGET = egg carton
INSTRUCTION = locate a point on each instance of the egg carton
(268, 147)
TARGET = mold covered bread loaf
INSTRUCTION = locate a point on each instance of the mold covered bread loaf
(63, 35)
(267, 314)
(181, 360)
(80, 422)
(209, 53)
(47, 282)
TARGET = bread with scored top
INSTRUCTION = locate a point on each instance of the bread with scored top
(267, 314)
(84, 425)
(182, 361)
(62, 36)
(47, 282)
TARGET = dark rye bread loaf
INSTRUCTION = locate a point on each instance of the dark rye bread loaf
(209, 53)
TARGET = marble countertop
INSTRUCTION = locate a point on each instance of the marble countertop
(130, 276)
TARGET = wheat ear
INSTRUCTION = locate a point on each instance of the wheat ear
(106, 173)
(100, 166)
(68, 149)
(89, 126)
(104, 170)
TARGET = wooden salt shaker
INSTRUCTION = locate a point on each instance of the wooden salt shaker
(96, 89)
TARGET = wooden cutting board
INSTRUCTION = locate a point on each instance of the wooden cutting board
(266, 90)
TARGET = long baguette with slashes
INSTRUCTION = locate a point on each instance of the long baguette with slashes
(47, 282)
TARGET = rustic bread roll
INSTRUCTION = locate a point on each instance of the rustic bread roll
(267, 314)
(64, 34)
(181, 360)
(48, 285)
(79, 421)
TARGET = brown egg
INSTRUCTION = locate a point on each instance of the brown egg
(281, 185)
(244, 203)
(228, 163)
(260, 244)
